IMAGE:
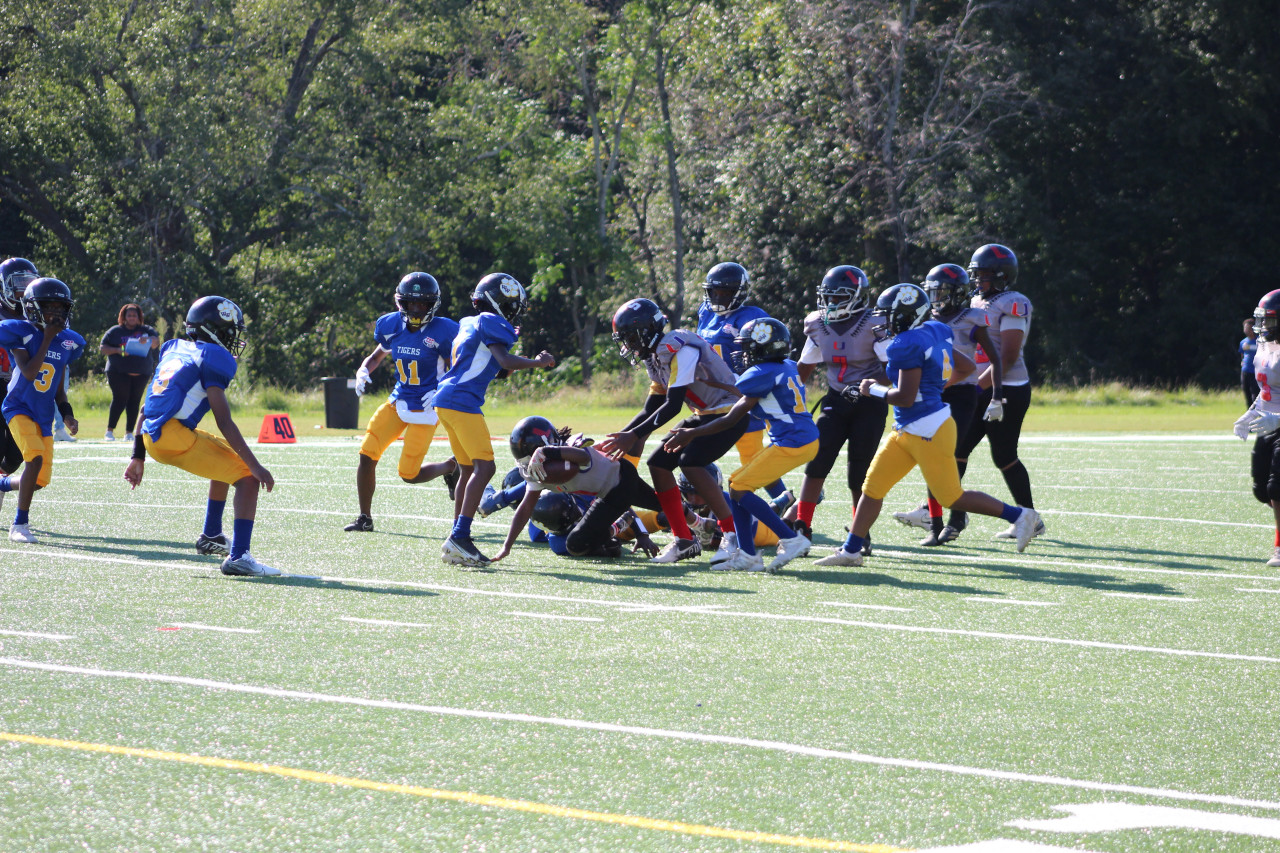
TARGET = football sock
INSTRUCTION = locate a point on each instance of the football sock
(213, 517)
(726, 524)
(22, 516)
(804, 512)
(9, 484)
(1010, 513)
(935, 508)
(1019, 483)
(853, 543)
(742, 520)
(241, 534)
(673, 506)
(1278, 537)
(759, 507)
(461, 528)
(776, 489)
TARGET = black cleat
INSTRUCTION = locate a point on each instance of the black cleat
(802, 529)
(451, 480)
(949, 534)
(934, 539)
(213, 545)
(866, 545)
(461, 551)
(362, 524)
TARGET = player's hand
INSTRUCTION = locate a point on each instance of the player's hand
(362, 380)
(133, 473)
(263, 476)
(72, 425)
(545, 359)
(995, 410)
(676, 440)
(537, 465)
(617, 444)
(646, 544)
(1241, 427)
(864, 387)
(1264, 423)
(506, 551)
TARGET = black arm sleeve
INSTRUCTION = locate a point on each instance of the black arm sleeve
(651, 404)
(670, 407)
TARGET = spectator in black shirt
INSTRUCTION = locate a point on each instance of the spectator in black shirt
(129, 348)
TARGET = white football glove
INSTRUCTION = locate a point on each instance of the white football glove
(1241, 427)
(362, 380)
(537, 469)
(1265, 423)
(995, 410)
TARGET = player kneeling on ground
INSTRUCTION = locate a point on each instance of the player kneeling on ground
(923, 360)
(548, 463)
(771, 387)
(190, 380)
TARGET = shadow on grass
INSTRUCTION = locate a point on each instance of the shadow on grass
(859, 576)
(313, 582)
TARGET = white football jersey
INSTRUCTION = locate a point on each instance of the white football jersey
(1266, 369)
(846, 347)
(1007, 309)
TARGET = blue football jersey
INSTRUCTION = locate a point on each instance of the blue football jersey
(463, 387)
(720, 333)
(929, 348)
(418, 358)
(35, 398)
(782, 402)
(177, 390)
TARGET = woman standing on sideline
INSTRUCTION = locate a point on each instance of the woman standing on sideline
(128, 346)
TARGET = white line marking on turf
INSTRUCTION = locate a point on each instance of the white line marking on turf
(1004, 845)
(986, 599)
(36, 635)
(196, 626)
(385, 622)
(1110, 817)
(1256, 589)
(866, 606)
(554, 616)
(645, 731)
(1148, 597)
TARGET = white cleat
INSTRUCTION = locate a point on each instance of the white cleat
(61, 434)
(21, 533)
(1275, 558)
(918, 517)
(840, 558)
(727, 551)
(744, 562)
(1027, 527)
(677, 550)
(789, 549)
(109, 435)
(246, 566)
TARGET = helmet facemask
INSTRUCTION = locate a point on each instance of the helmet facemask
(841, 303)
(417, 311)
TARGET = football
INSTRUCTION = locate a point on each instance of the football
(559, 472)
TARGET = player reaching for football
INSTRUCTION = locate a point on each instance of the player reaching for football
(419, 343)
(1263, 417)
(923, 361)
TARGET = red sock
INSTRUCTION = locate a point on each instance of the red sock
(1278, 537)
(674, 508)
(726, 524)
(935, 508)
(804, 512)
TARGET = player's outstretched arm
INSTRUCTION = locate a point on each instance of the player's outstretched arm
(524, 512)
(510, 361)
(680, 438)
(222, 417)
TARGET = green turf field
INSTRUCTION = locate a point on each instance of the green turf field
(1125, 669)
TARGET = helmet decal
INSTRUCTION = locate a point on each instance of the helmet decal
(227, 310)
(761, 333)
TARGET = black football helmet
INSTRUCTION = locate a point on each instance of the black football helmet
(637, 328)
(947, 286)
(843, 292)
(556, 512)
(513, 478)
(15, 275)
(43, 295)
(903, 306)
(530, 434)
(760, 340)
(1266, 317)
(727, 287)
(689, 492)
(501, 294)
(217, 320)
(995, 264)
(418, 297)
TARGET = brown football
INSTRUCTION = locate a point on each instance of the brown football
(560, 472)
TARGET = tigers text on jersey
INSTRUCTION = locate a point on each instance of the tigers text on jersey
(782, 401)
(1266, 369)
(846, 347)
(1007, 309)
(683, 359)
(721, 332)
(185, 370)
(464, 386)
(419, 358)
(963, 326)
(599, 478)
(35, 398)
(927, 347)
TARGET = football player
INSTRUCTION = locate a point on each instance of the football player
(923, 361)
(947, 286)
(15, 275)
(481, 350)
(43, 348)
(993, 270)
(722, 314)
(418, 342)
(682, 368)
(1262, 418)
(539, 450)
(771, 388)
(842, 335)
(1248, 346)
(190, 381)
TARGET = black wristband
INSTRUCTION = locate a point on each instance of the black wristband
(139, 449)
(553, 453)
(64, 409)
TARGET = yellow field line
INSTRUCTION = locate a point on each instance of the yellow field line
(458, 796)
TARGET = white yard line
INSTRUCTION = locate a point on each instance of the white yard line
(36, 635)
(1257, 589)
(385, 622)
(987, 599)
(196, 626)
(554, 616)
(645, 731)
(866, 606)
(1148, 597)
